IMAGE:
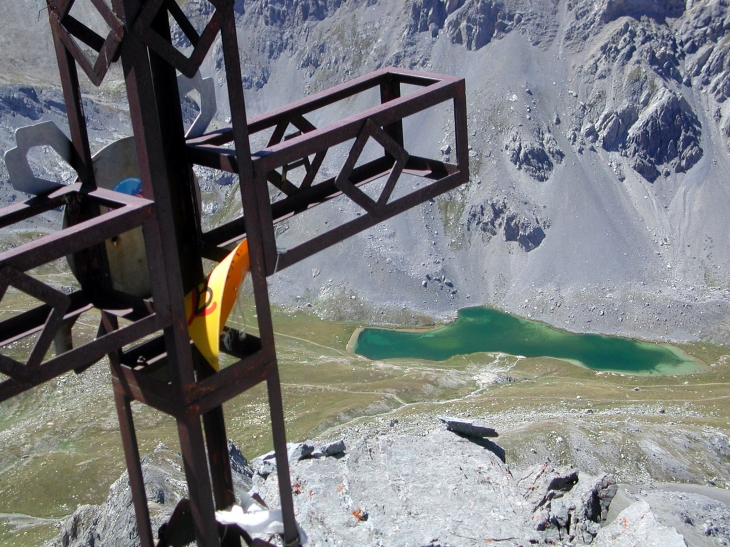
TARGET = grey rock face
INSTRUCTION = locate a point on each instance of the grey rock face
(611, 9)
(439, 489)
(299, 451)
(708, 24)
(329, 448)
(113, 524)
(475, 23)
(567, 503)
(646, 119)
(720, 444)
(242, 472)
(21, 101)
(527, 232)
(709, 67)
(636, 525)
(591, 16)
(524, 227)
(697, 513)
(487, 217)
(428, 15)
(536, 155)
(266, 465)
(666, 134)
(478, 22)
(541, 483)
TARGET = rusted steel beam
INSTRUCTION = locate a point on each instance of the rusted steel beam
(144, 28)
(217, 444)
(125, 382)
(208, 150)
(282, 115)
(357, 225)
(185, 218)
(350, 127)
(32, 207)
(40, 204)
(88, 353)
(137, 365)
(325, 191)
(239, 379)
(31, 321)
(389, 91)
(278, 429)
(79, 236)
(330, 135)
(460, 129)
(66, 30)
(255, 199)
(134, 468)
(83, 33)
(164, 261)
(195, 463)
(74, 108)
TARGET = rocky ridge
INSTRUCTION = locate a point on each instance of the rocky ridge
(399, 489)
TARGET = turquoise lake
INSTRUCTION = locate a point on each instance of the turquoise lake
(488, 330)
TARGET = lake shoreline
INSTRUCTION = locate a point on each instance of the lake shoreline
(597, 346)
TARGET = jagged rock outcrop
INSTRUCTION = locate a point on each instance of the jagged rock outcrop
(634, 101)
(566, 503)
(486, 217)
(475, 23)
(479, 22)
(528, 232)
(265, 464)
(523, 226)
(432, 488)
(470, 428)
(113, 524)
(589, 16)
(701, 520)
(702, 38)
(535, 154)
(610, 9)
(666, 135)
(21, 101)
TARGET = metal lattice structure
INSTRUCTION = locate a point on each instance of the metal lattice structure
(146, 339)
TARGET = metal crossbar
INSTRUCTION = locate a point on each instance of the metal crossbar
(152, 358)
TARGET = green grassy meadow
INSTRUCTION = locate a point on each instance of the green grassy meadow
(61, 446)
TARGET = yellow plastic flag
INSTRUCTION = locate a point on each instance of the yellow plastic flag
(208, 305)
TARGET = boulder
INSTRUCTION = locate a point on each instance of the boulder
(470, 428)
(329, 448)
(636, 525)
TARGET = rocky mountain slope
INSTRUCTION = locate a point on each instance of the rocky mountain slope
(599, 138)
(432, 489)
